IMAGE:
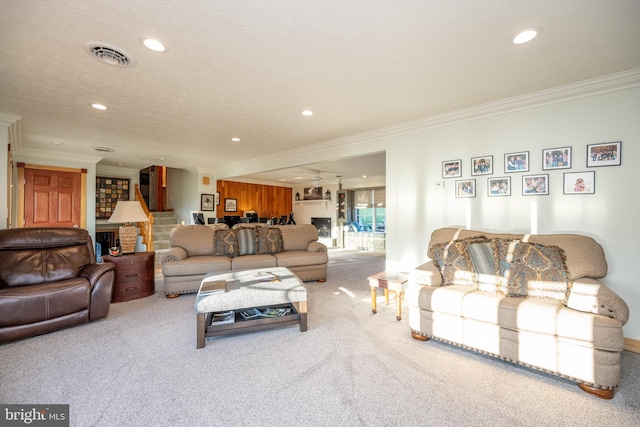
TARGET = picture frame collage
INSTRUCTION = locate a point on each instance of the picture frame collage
(583, 182)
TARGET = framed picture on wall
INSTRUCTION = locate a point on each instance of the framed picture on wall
(217, 198)
(516, 162)
(207, 202)
(108, 192)
(535, 185)
(466, 188)
(606, 154)
(451, 168)
(482, 165)
(556, 158)
(499, 186)
(579, 183)
(230, 205)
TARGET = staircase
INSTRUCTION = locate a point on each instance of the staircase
(162, 226)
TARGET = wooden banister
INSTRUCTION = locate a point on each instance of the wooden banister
(146, 228)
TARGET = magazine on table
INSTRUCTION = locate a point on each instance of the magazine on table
(265, 276)
(223, 317)
(253, 313)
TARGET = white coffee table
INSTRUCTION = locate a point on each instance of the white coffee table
(240, 291)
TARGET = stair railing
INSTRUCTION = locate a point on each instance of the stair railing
(146, 228)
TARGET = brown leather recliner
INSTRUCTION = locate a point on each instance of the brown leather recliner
(49, 280)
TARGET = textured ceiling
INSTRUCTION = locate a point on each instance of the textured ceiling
(247, 68)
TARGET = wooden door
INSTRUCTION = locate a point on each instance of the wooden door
(52, 198)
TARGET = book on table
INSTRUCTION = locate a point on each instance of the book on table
(223, 317)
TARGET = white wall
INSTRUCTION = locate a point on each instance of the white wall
(183, 193)
(415, 207)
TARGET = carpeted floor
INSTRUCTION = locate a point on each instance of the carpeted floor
(140, 367)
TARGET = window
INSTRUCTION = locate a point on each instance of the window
(370, 209)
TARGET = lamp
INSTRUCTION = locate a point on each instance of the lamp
(127, 212)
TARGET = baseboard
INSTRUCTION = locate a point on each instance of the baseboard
(632, 345)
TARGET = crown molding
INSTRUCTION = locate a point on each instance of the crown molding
(52, 155)
(14, 125)
(582, 89)
(115, 171)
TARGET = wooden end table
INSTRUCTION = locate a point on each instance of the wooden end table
(135, 276)
(389, 281)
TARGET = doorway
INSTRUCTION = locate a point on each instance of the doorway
(51, 196)
(153, 186)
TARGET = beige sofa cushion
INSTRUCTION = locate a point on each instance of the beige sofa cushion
(201, 264)
(536, 315)
(298, 237)
(195, 239)
(301, 258)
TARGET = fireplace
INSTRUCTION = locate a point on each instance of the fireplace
(323, 225)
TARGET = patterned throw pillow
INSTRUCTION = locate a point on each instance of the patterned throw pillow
(530, 270)
(226, 243)
(247, 241)
(484, 266)
(269, 240)
(453, 261)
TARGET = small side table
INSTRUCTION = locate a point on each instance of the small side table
(135, 276)
(389, 281)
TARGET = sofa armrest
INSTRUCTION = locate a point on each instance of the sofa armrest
(592, 296)
(426, 274)
(93, 272)
(174, 254)
(101, 277)
(316, 246)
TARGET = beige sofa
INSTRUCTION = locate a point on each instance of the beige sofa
(200, 249)
(521, 299)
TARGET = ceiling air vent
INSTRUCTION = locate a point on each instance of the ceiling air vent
(109, 54)
(103, 149)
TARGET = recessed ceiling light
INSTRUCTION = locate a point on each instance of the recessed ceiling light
(306, 112)
(154, 45)
(99, 106)
(525, 35)
(235, 139)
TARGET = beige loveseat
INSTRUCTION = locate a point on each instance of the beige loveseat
(530, 299)
(200, 249)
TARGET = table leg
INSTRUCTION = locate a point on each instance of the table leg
(399, 298)
(301, 308)
(200, 327)
(373, 300)
(386, 296)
